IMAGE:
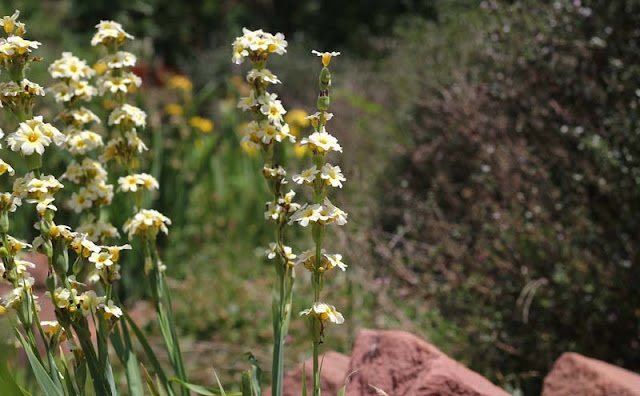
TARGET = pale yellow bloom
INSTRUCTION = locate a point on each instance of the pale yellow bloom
(109, 31)
(6, 168)
(324, 312)
(8, 22)
(128, 114)
(70, 66)
(307, 176)
(111, 310)
(322, 142)
(145, 221)
(332, 175)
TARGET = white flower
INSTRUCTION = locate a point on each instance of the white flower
(101, 259)
(307, 214)
(84, 115)
(324, 312)
(20, 45)
(306, 176)
(128, 113)
(80, 201)
(332, 175)
(31, 136)
(322, 142)
(147, 220)
(263, 75)
(273, 211)
(6, 168)
(119, 60)
(109, 31)
(70, 66)
(258, 43)
(111, 310)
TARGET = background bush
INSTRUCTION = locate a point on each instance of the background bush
(516, 211)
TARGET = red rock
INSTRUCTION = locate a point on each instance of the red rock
(334, 371)
(574, 374)
(400, 363)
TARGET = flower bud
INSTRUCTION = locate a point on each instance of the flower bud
(325, 76)
(323, 103)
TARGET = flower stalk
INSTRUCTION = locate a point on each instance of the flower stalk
(264, 133)
(319, 214)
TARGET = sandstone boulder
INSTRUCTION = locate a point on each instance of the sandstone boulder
(574, 374)
(400, 363)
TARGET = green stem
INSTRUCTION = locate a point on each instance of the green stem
(165, 315)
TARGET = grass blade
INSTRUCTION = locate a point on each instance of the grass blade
(201, 390)
(149, 352)
(46, 383)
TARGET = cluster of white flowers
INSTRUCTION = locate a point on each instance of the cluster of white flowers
(128, 116)
(257, 45)
(87, 303)
(329, 261)
(38, 190)
(324, 214)
(147, 222)
(132, 183)
(12, 93)
(70, 67)
(321, 141)
(109, 33)
(270, 125)
(15, 46)
(332, 175)
(72, 74)
(118, 82)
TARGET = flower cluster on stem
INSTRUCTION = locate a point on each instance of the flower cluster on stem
(117, 80)
(320, 176)
(265, 133)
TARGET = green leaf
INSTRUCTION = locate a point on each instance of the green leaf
(122, 344)
(150, 354)
(46, 383)
(71, 389)
(346, 382)
(222, 392)
(8, 385)
(201, 390)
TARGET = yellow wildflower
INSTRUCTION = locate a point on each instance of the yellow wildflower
(174, 109)
(205, 125)
(180, 82)
(297, 117)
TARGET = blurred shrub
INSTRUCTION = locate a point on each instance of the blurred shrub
(515, 205)
(178, 30)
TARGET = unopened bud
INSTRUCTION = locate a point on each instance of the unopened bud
(323, 103)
